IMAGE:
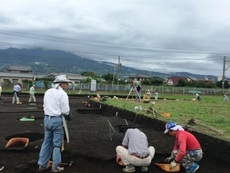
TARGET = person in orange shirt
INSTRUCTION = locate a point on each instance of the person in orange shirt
(187, 149)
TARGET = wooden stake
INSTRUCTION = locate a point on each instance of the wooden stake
(194, 121)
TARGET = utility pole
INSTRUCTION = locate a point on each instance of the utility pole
(223, 76)
(224, 69)
(116, 71)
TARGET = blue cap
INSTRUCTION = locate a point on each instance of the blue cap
(169, 125)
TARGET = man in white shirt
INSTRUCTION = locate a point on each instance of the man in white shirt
(56, 105)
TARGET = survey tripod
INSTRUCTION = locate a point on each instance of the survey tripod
(134, 89)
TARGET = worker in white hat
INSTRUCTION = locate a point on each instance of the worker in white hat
(56, 105)
(187, 149)
(198, 98)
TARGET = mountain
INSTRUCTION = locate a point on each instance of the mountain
(56, 61)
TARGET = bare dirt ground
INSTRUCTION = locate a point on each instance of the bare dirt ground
(90, 147)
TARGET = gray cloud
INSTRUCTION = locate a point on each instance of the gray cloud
(157, 35)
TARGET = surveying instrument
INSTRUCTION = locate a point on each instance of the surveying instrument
(133, 88)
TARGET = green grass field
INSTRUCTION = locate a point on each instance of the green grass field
(211, 111)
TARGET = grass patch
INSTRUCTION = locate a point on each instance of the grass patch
(211, 111)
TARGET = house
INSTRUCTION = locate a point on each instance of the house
(174, 80)
(192, 79)
(14, 78)
(19, 69)
(16, 74)
(131, 78)
(75, 78)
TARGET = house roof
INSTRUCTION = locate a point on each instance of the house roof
(71, 76)
(193, 78)
(139, 76)
(175, 79)
(16, 75)
(19, 68)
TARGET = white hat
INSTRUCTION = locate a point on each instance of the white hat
(61, 79)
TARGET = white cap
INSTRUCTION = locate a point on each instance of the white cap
(172, 126)
(61, 79)
(176, 128)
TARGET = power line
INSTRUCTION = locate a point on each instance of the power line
(84, 53)
(105, 44)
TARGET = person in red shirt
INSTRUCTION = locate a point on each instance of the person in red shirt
(187, 149)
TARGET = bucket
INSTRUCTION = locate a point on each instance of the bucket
(165, 114)
(166, 167)
(17, 143)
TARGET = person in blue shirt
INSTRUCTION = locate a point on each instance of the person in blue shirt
(135, 151)
(16, 90)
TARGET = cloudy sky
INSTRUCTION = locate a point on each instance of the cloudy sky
(156, 35)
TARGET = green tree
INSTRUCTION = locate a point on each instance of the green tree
(219, 84)
(87, 80)
(91, 74)
(156, 81)
(145, 82)
(181, 82)
(108, 77)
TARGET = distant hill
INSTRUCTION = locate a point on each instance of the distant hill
(44, 61)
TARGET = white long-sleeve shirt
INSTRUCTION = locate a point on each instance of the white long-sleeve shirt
(32, 90)
(56, 102)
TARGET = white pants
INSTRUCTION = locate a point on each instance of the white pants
(32, 98)
(15, 99)
(135, 161)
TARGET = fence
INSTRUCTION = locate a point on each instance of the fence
(160, 89)
(86, 87)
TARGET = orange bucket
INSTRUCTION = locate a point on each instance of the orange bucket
(165, 114)
(17, 143)
(166, 167)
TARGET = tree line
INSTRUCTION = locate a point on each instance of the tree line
(156, 81)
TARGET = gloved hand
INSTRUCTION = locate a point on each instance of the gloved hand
(69, 117)
(173, 164)
(168, 159)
